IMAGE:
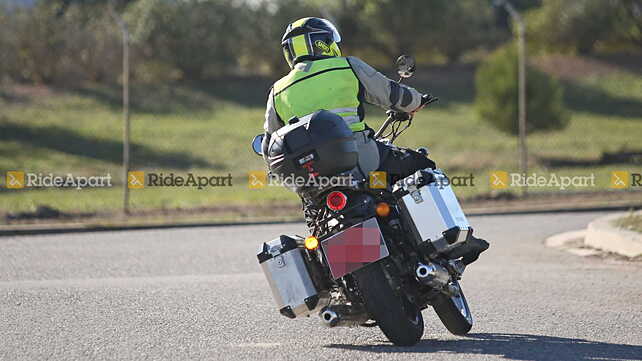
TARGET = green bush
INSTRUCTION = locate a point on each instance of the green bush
(586, 26)
(39, 45)
(496, 99)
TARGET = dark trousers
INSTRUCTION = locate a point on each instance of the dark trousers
(399, 163)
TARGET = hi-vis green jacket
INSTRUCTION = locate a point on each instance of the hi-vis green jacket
(340, 85)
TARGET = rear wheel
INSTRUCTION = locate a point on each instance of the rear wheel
(454, 313)
(398, 318)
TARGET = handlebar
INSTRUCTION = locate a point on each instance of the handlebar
(397, 116)
(391, 118)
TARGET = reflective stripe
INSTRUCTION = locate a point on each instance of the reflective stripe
(358, 127)
(352, 119)
(350, 115)
(354, 122)
(344, 110)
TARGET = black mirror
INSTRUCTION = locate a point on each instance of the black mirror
(405, 66)
(257, 144)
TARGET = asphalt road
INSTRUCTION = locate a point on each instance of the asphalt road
(198, 294)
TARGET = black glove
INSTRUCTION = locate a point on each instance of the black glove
(427, 99)
(397, 115)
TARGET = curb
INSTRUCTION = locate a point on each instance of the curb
(562, 239)
(24, 230)
(571, 242)
(601, 234)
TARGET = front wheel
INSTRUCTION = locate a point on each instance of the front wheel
(398, 318)
(454, 313)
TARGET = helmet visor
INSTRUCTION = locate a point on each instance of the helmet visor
(335, 33)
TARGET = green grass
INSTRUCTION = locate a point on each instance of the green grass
(207, 130)
(631, 222)
(96, 200)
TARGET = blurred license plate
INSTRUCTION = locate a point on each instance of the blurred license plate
(354, 248)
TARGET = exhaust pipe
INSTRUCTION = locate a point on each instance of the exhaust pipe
(432, 274)
(329, 317)
(342, 315)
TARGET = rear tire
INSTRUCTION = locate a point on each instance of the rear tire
(454, 312)
(399, 319)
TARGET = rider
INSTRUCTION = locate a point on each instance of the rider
(322, 79)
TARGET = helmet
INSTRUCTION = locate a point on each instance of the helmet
(310, 38)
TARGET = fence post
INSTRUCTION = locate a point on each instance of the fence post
(126, 118)
(521, 55)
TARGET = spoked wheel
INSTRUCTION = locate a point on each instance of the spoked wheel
(454, 312)
(398, 318)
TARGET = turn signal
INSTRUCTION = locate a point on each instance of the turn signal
(383, 209)
(311, 243)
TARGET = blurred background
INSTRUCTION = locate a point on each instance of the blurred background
(201, 71)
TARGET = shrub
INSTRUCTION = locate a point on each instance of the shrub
(39, 45)
(496, 97)
(586, 26)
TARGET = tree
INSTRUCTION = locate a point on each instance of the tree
(496, 95)
(266, 24)
(439, 27)
(464, 25)
(580, 25)
(394, 27)
(201, 38)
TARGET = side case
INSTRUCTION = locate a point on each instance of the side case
(285, 269)
(432, 211)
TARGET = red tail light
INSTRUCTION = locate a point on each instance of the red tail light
(336, 200)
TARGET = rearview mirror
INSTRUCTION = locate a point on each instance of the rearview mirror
(257, 144)
(405, 66)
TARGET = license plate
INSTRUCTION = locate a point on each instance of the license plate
(354, 248)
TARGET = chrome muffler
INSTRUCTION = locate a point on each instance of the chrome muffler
(433, 275)
(342, 315)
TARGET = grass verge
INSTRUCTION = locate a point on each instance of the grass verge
(631, 222)
(206, 129)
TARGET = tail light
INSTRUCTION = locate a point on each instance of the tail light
(336, 200)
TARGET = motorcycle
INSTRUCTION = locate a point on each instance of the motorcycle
(378, 253)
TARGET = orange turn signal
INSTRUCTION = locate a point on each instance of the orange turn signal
(311, 243)
(383, 209)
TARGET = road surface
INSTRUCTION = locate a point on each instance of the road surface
(198, 293)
